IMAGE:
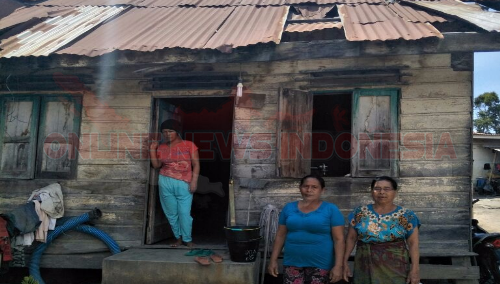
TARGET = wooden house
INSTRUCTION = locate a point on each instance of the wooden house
(349, 89)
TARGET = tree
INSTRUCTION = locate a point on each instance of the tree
(488, 113)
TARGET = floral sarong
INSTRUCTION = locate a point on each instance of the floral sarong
(381, 263)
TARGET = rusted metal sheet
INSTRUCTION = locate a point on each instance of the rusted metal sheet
(250, 25)
(76, 3)
(139, 29)
(489, 21)
(413, 15)
(307, 27)
(367, 23)
(35, 12)
(368, 14)
(56, 32)
(262, 2)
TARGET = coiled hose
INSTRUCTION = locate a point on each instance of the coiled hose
(75, 223)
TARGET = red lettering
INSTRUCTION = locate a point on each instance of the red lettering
(445, 147)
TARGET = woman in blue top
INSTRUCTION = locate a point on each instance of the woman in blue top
(312, 232)
(386, 236)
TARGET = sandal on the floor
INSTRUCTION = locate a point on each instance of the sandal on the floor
(202, 260)
(216, 258)
(194, 252)
(206, 252)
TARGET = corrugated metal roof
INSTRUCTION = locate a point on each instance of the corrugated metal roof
(367, 14)
(28, 13)
(148, 29)
(250, 25)
(307, 27)
(486, 20)
(416, 16)
(201, 3)
(360, 25)
(54, 33)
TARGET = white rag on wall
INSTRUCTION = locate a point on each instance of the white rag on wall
(52, 200)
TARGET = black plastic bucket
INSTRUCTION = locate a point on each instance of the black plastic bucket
(242, 233)
(243, 251)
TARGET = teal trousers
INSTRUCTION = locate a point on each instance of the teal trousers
(176, 200)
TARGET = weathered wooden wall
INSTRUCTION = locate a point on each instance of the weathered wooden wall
(435, 100)
(112, 173)
(435, 104)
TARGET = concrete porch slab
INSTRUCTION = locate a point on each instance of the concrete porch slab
(144, 266)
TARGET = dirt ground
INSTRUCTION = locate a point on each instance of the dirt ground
(486, 211)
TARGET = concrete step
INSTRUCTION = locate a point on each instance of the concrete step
(144, 266)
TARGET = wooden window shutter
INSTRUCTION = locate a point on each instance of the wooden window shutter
(18, 134)
(58, 137)
(375, 131)
(294, 133)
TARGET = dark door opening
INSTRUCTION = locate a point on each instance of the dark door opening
(208, 123)
(331, 128)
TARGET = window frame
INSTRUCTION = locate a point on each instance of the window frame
(394, 98)
(38, 125)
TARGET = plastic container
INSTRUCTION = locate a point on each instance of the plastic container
(242, 233)
(244, 251)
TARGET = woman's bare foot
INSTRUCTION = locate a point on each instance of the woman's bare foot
(190, 244)
(177, 243)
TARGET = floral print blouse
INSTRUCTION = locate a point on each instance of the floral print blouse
(376, 228)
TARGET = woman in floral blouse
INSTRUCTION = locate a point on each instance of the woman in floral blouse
(386, 236)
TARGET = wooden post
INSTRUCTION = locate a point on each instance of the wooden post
(232, 210)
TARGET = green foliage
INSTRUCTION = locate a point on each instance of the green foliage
(29, 280)
(488, 113)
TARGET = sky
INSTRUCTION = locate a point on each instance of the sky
(486, 72)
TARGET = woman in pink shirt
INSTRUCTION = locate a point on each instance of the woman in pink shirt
(179, 165)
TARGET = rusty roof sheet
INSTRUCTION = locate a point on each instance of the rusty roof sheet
(413, 15)
(489, 21)
(201, 3)
(367, 14)
(361, 25)
(250, 25)
(307, 27)
(215, 28)
(34, 12)
(139, 29)
(54, 33)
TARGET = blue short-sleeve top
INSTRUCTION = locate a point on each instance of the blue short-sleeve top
(309, 241)
(376, 228)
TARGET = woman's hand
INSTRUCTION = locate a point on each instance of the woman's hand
(413, 277)
(153, 145)
(273, 268)
(336, 273)
(193, 185)
(346, 272)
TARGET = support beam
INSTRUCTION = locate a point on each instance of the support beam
(452, 42)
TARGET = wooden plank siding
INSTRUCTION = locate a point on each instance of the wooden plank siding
(434, 116)
(111, 174)
(434, 104)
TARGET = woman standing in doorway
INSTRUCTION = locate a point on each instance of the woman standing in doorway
(179, 165)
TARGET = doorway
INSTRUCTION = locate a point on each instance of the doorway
(331, 119)
(207, 122)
